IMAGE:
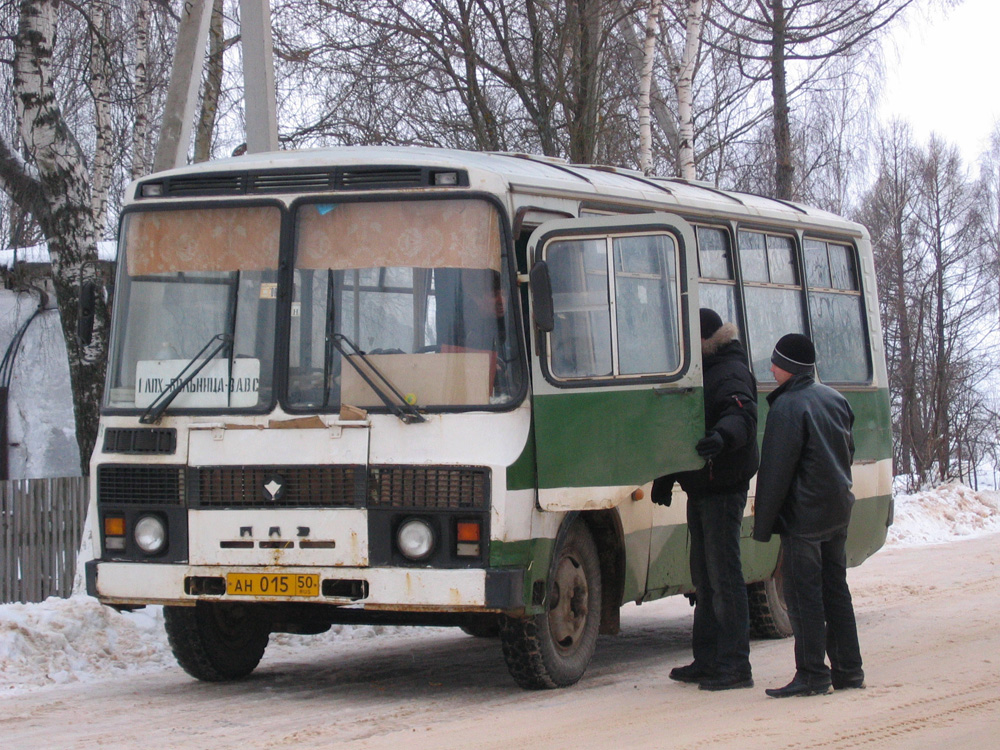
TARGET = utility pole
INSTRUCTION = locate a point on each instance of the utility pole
(185, 79)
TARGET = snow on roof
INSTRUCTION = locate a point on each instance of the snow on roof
(79, 640)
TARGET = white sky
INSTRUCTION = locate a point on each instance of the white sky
(942, 75)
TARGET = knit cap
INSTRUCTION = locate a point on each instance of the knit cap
(710, 322)
(794, 353)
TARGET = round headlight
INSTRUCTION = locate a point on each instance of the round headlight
(150, 534)
(415, 539)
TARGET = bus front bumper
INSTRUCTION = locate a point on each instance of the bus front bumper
(443, 590)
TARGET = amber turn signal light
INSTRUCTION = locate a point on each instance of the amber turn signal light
(468, 531)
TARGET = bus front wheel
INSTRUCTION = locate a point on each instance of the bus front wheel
(553, 649)
(216, 642)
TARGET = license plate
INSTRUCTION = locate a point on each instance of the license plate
(272, 584)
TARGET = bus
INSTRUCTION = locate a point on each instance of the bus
(409, 386)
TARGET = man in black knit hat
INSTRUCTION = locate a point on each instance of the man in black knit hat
(804, 494)
(717, 497)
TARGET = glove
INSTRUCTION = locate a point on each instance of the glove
(710, 446)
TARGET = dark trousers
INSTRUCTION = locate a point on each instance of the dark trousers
(721, 637)
(820, 610)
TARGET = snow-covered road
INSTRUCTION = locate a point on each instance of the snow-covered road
(928, 616)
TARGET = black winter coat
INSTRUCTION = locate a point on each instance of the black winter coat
(730, 410)
(804, 483)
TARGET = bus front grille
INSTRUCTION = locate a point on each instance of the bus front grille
(345, 486)
(277, 486)
(428, 487)
(140, 485)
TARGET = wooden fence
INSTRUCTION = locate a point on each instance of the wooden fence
(41, 522)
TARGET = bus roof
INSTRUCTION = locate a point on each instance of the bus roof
(527, 174)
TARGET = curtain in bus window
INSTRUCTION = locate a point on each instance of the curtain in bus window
(839, 334)
(203, 239)
(646, 306)
(581, 336)
(771, 313)
(419, 234)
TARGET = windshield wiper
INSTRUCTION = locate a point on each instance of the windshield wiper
(404, 410)
(155, 410)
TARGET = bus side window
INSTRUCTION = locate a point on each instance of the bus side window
(772, 290)
(837, 311)
(717, 285)
(644, 316)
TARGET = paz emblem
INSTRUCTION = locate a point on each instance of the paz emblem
(274, 488)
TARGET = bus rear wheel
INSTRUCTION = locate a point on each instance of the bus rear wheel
(216, 642)
(553, 649)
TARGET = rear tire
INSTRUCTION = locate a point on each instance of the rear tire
(216, 642)
(553, 649)
(768, 611)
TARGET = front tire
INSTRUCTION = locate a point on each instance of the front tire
(553, 649)
(216, 642)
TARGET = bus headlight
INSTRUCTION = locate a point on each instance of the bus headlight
(415, 539)
(150, 534)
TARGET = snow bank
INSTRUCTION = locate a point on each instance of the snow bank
(949, 512)
(78, 640)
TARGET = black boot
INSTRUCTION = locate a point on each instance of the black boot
(693, 672)
(799, 688)
(727, 682)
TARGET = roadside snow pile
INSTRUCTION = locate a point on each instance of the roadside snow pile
(949, 512)
(78, 640)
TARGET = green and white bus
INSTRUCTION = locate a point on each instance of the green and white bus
(431, 387)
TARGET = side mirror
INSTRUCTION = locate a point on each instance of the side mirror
(85, 311)
(541, 296)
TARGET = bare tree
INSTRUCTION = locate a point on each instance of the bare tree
(769, 36)
(55, 185)
(65, 154)
(888, 211)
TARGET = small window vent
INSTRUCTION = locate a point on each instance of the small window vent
(295, 182)
(354, 179)
(227, 184)
(139, 441)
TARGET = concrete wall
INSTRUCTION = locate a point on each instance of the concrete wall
(41, 429)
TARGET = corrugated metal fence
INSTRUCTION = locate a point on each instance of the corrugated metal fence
(41, 521)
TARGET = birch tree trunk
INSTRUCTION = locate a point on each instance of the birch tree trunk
(645, 82)
(65, 212)
(101, 92)
(658, 110)
(685, 89)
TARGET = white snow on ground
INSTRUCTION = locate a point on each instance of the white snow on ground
(79, 640)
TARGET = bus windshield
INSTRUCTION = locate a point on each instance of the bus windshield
(191, 277)
(417, 291)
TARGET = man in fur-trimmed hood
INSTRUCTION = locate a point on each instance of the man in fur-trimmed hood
(717, 496)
